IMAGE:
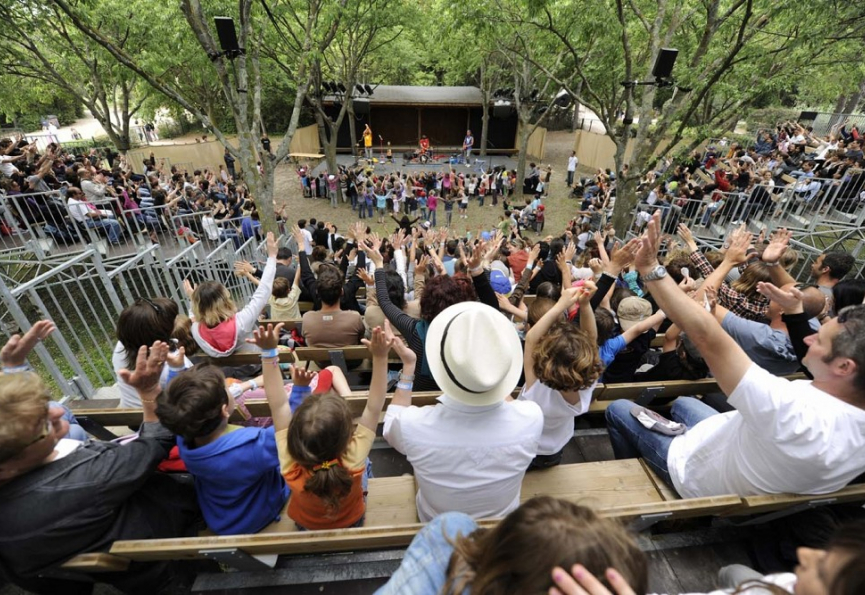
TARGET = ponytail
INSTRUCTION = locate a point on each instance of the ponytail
(331, 482)
(318, 437)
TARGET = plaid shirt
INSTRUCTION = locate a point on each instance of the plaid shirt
(736, 302)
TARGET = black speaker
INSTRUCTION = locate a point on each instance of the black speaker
(361, 106)
(807, 116)
(502, 110)
(664, 63)
(227, 34)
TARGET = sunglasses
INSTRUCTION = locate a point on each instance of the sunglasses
(148, 301)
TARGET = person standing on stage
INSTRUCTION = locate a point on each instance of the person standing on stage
(367, 142)
(468, 143)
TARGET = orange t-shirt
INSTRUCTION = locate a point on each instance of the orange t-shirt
(310, 511)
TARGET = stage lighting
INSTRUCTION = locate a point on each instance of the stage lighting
(368, 89)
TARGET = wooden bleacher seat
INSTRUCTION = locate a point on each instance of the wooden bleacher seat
(287, 324)
(619, 489)
(704, 177)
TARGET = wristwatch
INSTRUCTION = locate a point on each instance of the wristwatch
(659, 272)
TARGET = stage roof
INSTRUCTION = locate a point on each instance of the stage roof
(405, 95)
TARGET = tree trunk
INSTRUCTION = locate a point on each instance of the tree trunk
(522, 145)
(485, 125)
(352, 129)
(575, 120)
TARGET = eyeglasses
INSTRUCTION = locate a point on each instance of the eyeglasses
(46, 429)
(156, 308)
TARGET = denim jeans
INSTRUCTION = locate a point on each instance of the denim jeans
(432, 217)
(111, 226)
(76, 432)
(710, 209)
(425, 563)
(631, 440)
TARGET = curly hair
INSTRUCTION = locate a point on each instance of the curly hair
(519, 554)
(191, 407)
(565, 359)
(442, 291)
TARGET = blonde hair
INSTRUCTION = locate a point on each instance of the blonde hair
(212, 304)
(23, 404)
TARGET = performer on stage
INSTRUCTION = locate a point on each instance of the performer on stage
(468, 143)
(367, 142)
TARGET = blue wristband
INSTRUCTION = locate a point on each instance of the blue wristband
(268, 353)
(404, 385)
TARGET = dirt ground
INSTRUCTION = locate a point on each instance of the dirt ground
(559, 208)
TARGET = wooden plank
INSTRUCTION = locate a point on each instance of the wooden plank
(305, 306)
(704, 176)
(391, 501)
(251, 358)
(287, 324)
(600, 485)
(666, 491)
(92, 404)
(773, 502)
(788, 178)
(96, 562)
(669, 389)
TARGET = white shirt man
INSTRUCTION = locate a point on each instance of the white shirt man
(572, 167)
(802, 436)
(470, 452)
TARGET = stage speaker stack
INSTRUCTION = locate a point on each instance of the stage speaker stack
(361, 106)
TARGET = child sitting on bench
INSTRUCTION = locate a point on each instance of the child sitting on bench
(324, 459)
(562, 366)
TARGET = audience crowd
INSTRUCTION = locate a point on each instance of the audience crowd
(514, 374)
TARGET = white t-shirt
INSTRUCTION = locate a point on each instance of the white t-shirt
(785, 436)
(466, 459)
(129, 398)
(558, 414)
(785, 580)
(572, 163)
(307, 241)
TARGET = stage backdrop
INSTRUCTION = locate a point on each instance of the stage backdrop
(400, 115)
(209, 154)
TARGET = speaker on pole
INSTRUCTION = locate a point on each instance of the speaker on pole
(502, 110)
(361, 106)
(227, 35)
(664, 63)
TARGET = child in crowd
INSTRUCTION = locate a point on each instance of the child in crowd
(236, 469)
(219, 329)
(464, 204)
(449, 209)
(432, 204)
(323, 460)
(283, 301)
(562, 366)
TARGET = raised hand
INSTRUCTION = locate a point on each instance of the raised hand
(778, 243)
(365, 276)
(188, 288)
(740, 241)
(645, 251)
(405, 353)
(266, 338)
(789, 299)
(378, 346)
(148, 368)
(685, 233)
(18, 347)
(176, 358)
(301, 376)
(588, 291)
(570, 296)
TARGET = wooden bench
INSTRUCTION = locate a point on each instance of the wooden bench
(617, 489)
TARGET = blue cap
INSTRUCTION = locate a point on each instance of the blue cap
(499, 282)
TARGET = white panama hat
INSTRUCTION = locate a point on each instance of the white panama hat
(474, 353)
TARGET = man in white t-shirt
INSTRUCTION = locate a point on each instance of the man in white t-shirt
(572, 167)
(471, 451)
(803, 436)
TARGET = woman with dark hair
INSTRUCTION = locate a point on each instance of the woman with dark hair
(142, 323)
(451, 555)
(848, 292)
(439, 292)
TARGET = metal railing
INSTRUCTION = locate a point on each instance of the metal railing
(825, 122)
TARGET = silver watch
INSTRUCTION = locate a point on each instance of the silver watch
(659, 272)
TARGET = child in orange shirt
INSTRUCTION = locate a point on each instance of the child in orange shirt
(322, 457)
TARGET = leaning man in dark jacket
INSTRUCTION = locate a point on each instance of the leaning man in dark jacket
(62, 497)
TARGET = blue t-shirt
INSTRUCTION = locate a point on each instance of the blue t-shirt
(611, 348)
(381, 200)
(237, 479)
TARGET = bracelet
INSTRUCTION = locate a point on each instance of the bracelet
(772, 264)
(404, 385)
(268, 353)
(16, 369)
(530, 267)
